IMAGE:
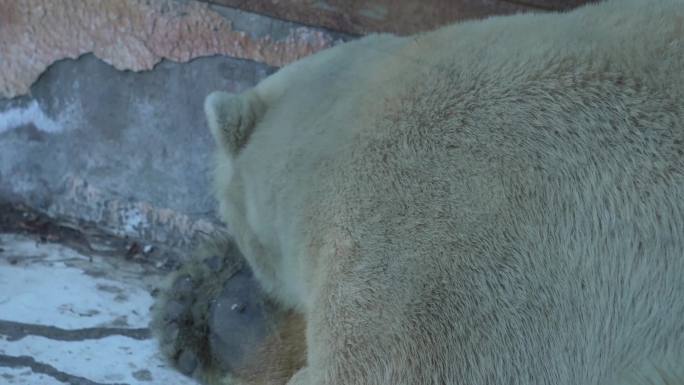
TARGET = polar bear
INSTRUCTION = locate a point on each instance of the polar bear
(493, 202)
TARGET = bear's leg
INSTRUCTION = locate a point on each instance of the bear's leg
(215, 324)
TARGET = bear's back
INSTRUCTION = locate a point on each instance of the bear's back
(487, 168)
(542, 172)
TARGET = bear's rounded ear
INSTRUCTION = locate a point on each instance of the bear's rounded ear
(232, 118)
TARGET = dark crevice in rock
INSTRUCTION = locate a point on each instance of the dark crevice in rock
(549, 6)
(39, 367)
(16, 330)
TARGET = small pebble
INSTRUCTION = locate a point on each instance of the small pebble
(148, 249)
(143, 375)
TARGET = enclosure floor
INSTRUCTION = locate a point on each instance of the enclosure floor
(67, 317)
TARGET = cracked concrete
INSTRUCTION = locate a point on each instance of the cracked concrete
(15, 331)
(44, 369)
(62, 324)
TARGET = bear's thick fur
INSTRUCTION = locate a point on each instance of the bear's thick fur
(494, 202)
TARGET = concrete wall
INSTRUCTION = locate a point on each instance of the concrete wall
(100, 100)
(101, 118)
(127, 150)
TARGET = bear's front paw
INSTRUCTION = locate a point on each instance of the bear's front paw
(214, 322)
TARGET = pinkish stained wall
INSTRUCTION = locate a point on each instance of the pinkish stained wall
(129, 35)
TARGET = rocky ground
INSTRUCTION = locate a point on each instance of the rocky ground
(75, 304)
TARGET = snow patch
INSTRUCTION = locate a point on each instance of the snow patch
(134, 221)
(106, 360)
(67, 298)
(42, 289)
(39, 284)
(31, 114)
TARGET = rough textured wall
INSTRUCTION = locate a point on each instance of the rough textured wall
(105, 120)
(131, 35)
(129, 151)
(396, 16)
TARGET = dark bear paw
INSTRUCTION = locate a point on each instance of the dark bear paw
(212, 319)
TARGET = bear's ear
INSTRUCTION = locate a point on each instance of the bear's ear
(232, 118)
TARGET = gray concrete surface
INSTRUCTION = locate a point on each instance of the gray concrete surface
(127, 150)
(68, 317)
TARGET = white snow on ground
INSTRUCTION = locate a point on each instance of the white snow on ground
(32, 113)
(111, 359)
(24, 376)
(66, 298)
(46, 284)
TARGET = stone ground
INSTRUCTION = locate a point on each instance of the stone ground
(75, 305)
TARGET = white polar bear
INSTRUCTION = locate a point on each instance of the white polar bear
(494, 202)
